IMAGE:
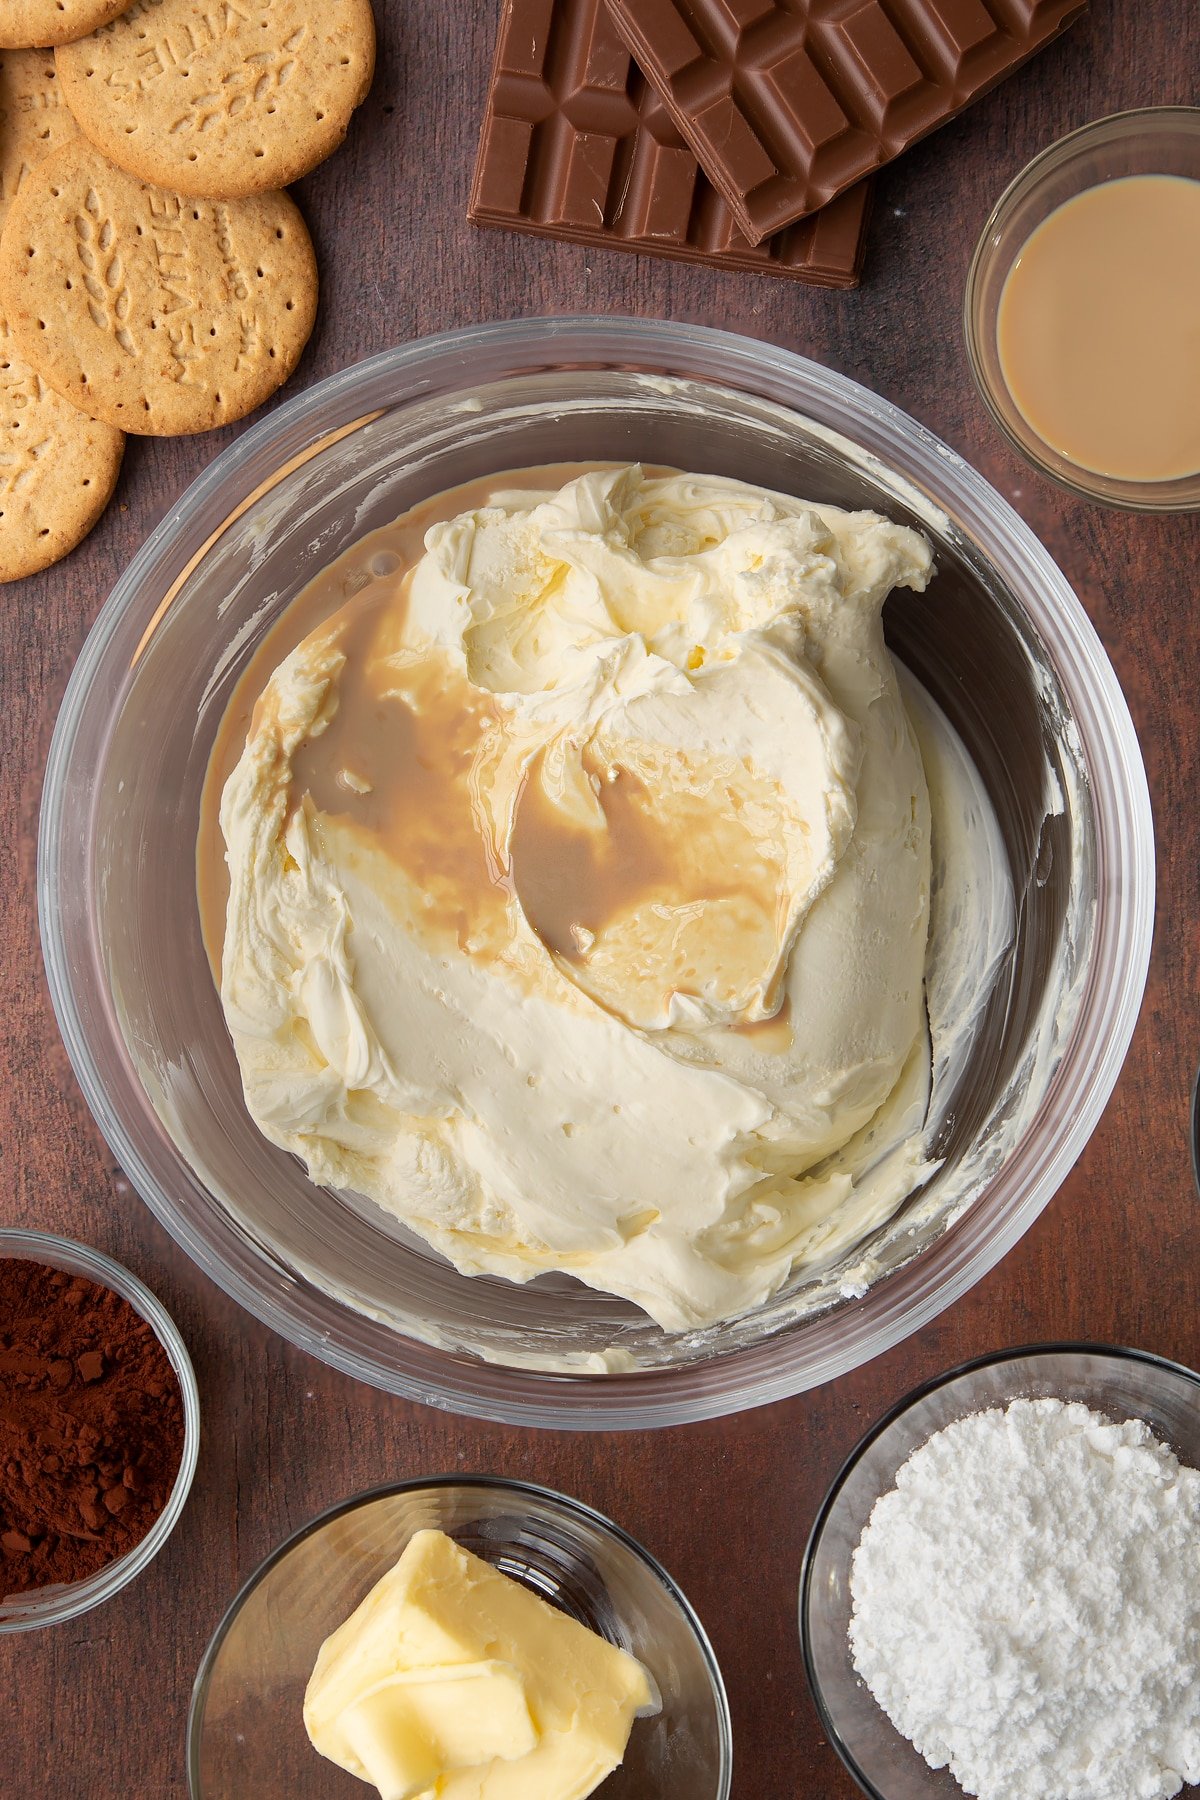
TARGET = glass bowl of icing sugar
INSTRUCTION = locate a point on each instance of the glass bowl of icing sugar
(998, 1596)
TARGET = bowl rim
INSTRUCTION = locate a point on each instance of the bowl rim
(56, 1603)
(991, 1359)
(1125, 497)
(889, 438)
(575, 1509)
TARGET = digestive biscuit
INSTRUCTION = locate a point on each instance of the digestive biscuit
(154, 311)
(222, 98)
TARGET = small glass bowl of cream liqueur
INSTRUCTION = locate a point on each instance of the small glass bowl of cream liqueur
(1082, 310)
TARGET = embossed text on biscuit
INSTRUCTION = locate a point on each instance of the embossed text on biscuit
(158, 56)
(235, 275)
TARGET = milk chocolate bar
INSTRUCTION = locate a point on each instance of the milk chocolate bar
(577, 145)
(786, 103)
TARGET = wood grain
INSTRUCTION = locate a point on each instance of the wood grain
(100, 1705)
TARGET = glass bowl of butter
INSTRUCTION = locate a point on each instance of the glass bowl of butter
(981, 734)
(461, 1635)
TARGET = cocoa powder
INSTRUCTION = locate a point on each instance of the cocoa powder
(91, 1426)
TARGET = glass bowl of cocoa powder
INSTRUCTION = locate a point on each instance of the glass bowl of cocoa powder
(99, 1428)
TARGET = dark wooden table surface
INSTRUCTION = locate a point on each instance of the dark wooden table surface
(99, 1706)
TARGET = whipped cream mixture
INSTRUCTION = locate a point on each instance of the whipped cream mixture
(578, 889)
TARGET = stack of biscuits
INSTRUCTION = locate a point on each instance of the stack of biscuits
(154, 277)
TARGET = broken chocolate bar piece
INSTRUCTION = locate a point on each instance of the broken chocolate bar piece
(576, 145)
(786, 103)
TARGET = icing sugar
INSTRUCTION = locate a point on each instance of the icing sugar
(1026, 1606)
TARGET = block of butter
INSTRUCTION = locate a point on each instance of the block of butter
(452, 1680)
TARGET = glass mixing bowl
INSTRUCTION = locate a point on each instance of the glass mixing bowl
(999, 640)
(245, 1730)
(1122, 1384)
